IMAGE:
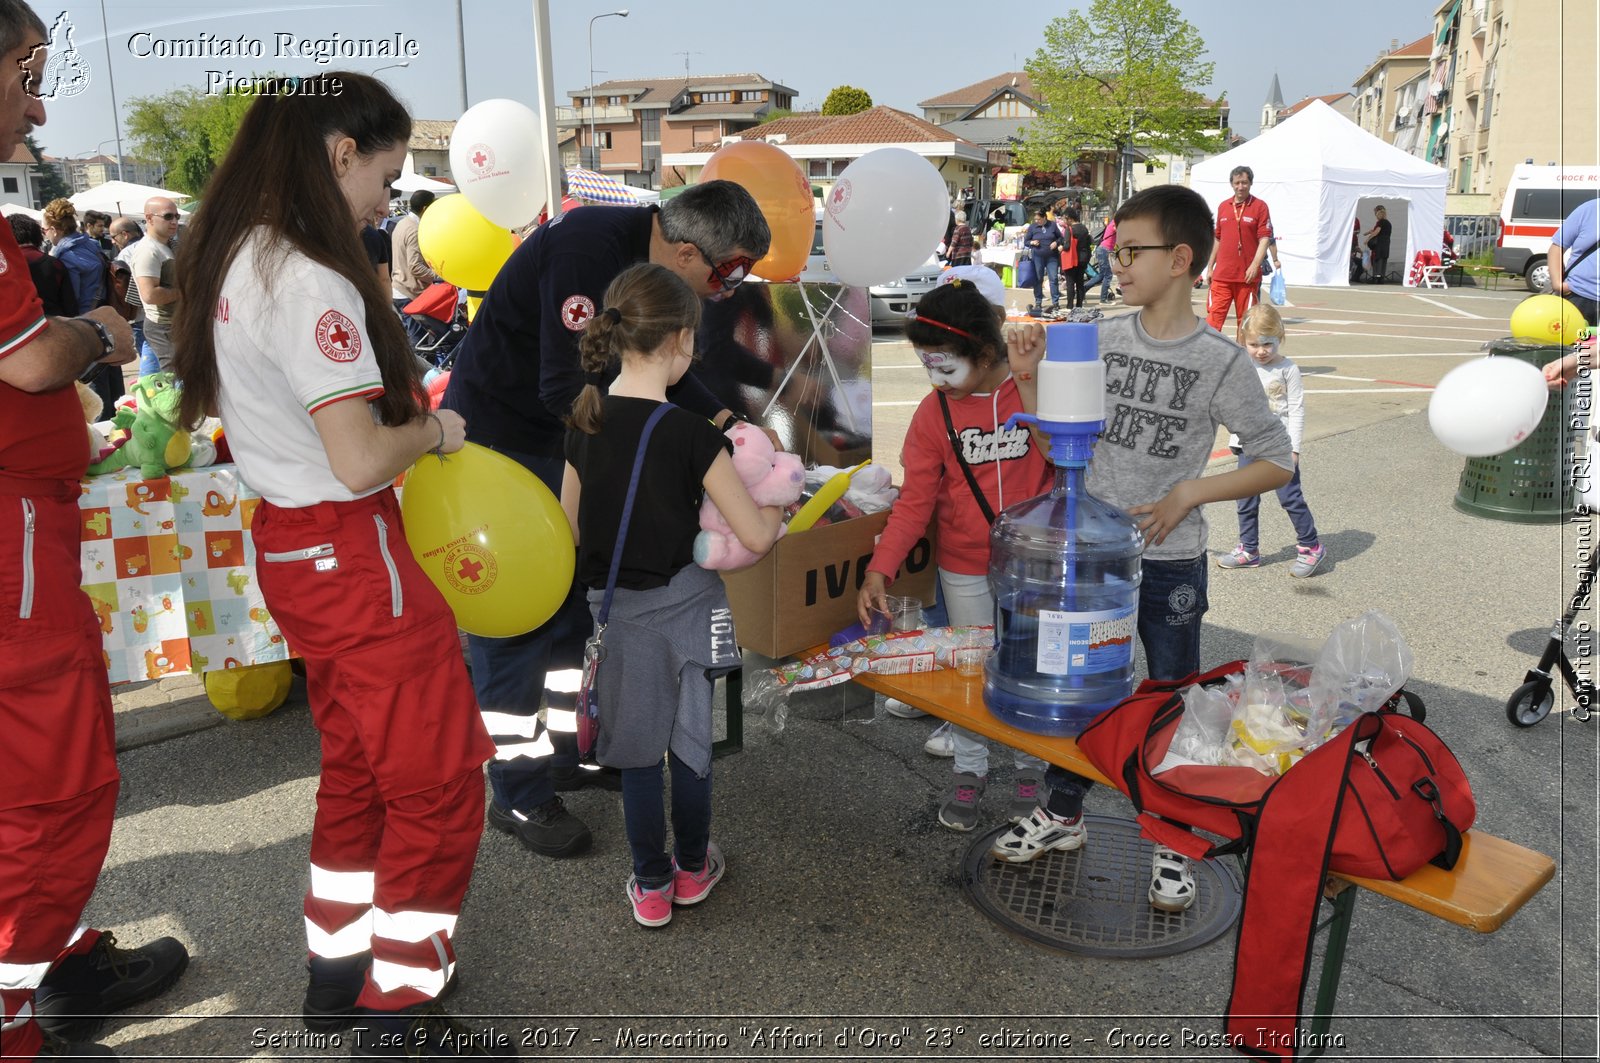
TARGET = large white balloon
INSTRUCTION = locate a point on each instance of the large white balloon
(884, 217)
(1487, 406)
(497, 163)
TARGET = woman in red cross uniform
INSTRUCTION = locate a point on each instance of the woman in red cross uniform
(285, 329)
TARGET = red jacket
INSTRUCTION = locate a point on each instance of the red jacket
(1239, 232)
(1008, 466)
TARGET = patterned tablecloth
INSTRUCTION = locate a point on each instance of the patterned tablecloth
(170, 567)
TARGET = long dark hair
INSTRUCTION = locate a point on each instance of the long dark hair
(645, 305)
(278, 175)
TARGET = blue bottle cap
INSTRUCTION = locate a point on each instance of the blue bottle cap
(1073, 341)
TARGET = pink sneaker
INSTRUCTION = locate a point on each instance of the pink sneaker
(692, 887)
(650, 907)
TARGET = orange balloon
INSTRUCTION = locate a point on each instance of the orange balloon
(783, 193)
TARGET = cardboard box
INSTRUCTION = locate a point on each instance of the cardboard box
(805, 589)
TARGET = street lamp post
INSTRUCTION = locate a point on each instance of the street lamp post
(594, 145)
(391, 66)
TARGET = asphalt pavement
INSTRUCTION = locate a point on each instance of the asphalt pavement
(842, 930)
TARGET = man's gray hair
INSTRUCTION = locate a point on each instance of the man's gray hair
(719, 217)
(19, 23)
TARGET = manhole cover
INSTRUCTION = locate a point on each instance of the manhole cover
(1095, 901)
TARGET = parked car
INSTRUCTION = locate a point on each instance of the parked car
(891, 300)
(1537, 200)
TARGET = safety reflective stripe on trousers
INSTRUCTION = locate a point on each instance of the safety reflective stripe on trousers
(411, 926)
(23, 975)
(346, 887)
(389, 977)
(24, 1013)
(355, 936)
(517, 736)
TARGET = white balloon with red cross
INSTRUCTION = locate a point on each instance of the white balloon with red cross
(496, 161)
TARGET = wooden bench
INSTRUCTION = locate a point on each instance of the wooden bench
(1491, 274)
(1490, 882)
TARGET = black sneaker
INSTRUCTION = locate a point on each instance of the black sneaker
(55, 1048)
(79, 992)
(425, 1031)
(569, 779)
(549, 829)
(334, 987)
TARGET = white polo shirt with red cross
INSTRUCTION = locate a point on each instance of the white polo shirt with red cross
(291, 339)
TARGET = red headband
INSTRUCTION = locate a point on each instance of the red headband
(941, 324)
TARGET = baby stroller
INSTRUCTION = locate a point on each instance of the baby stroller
(1532, 701)
(441, 314)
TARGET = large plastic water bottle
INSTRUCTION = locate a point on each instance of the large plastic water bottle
(1064, 567)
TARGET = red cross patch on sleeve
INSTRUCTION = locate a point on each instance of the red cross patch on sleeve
(577, 312)
(337, 337)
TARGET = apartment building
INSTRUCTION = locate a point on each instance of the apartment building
(825, 145)
(95, 170)
(1387, 92)
(635, 122)
(1509, 81)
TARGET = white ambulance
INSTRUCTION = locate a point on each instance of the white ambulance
(1537, 201)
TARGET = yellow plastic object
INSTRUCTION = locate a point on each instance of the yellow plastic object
(491, 536)
(1547, 319)
(249, 692)
(826, 496)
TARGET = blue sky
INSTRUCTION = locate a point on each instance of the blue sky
(921, 51)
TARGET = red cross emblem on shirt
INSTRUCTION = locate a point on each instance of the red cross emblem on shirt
(337, 337)
(576, 312)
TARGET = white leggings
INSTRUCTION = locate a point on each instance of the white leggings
(968, 601)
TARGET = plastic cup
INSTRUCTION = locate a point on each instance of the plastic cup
(905, 614)
(970, 655)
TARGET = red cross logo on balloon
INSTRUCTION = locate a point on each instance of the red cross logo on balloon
(839, 198)
(337, 337)
(481, 158)
(469, 568)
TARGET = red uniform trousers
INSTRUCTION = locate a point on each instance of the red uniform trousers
(400, 805)
(58, 765)
(1240, 295)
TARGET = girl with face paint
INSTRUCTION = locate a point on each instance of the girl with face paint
(957, 430)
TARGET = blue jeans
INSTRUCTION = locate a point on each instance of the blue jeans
(1102, 262)
(645, 820)
(1046, 265)
(508, 676)
(1172, 601)
(1294, 504)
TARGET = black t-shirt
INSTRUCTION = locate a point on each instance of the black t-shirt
(376, 241)
(1380, 243)
(666, 511)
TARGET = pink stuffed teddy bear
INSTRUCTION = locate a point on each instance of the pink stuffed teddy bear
(773, 478)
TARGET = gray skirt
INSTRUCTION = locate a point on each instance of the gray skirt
(664, 648)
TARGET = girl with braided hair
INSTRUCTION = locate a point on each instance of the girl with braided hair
(669, 632)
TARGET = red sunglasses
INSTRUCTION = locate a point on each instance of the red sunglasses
(727, 276)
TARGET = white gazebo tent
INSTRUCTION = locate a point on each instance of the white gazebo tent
(1314, 171)
(122, 197)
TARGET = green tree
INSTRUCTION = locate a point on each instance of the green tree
(187, 131)
(1117, 76)
(774, 115)
(48, 183)
(846, 99)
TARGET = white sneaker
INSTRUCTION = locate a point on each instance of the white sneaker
(942, 742)
(901, 709)
(1172, 885)
(1037, 835)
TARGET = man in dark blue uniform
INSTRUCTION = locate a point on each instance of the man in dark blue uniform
(516, 376)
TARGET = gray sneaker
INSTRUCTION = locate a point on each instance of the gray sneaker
(960, 808)
(1307, 558)
(1030, 794)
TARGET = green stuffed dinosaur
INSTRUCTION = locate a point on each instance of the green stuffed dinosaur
(155, 443)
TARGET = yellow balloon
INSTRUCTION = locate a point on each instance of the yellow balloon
(491, 537)
(473, 302)
(1546, 319)
(461, 245)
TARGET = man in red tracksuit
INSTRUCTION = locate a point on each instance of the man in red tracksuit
(58, 768)
(1244, 228)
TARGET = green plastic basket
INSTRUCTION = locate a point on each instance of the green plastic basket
(1529, 483)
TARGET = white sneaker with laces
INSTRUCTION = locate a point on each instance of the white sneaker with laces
(1172, 885)
(942, 742)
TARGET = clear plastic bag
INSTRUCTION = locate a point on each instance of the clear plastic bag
(1360, 667)
(1204, 731)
